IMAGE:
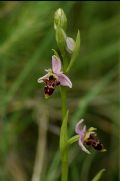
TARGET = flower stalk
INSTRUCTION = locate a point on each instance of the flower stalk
(66, 45)
(63, 101)
(56, 76)
(64, 148)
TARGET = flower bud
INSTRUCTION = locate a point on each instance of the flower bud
(60, 19)
(70, 44)
(76, 49)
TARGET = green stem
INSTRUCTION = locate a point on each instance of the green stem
(64, 102)
(65, 61)
(64, 155)
(65, 165)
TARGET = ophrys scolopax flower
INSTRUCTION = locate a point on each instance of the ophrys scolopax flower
(88, 137)
(54, 77)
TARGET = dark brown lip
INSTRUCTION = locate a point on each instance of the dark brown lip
(94, 142)
(48, 90)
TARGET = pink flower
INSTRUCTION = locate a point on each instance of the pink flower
(88, 137)
(54, 77)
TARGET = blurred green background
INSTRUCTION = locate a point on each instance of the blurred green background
(28, 122)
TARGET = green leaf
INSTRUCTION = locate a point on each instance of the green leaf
(75, 52)
(63, 134)
(98, 176)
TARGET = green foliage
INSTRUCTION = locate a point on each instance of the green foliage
(98, 176)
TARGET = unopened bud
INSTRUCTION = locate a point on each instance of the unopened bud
(60, 19)
(70, 44)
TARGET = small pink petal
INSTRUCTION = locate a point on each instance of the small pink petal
(41, 79)
(70, 44)
(56, 64)
(83, 147)
(79, 127)
(64, 80)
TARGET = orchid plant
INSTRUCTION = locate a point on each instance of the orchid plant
(57, 76)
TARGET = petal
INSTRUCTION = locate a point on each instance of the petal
(79, 128)
(41, 79)
(64, 80)
(48, 70)
(70, 44)
(83, 147)
(56, 64)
